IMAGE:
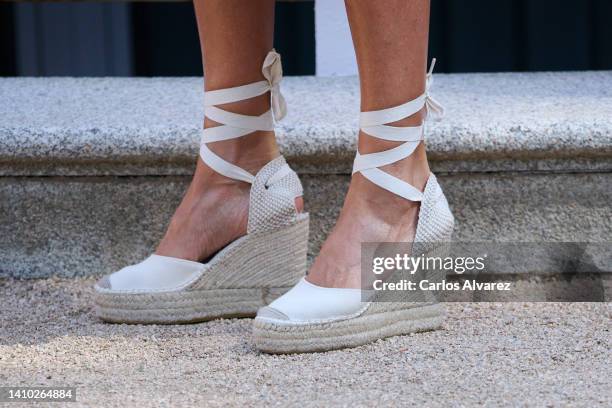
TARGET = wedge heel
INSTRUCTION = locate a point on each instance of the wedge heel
(386, 315)
(246, 275)
(311, 318)
(383, 320)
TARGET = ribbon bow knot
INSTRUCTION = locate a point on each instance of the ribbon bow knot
(273, 72)
(433, 106)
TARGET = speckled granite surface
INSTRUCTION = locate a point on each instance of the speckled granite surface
(79, 226)
(127, 126)
(488, 354)
(92, 169)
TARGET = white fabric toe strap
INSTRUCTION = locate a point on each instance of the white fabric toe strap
(307, 302)
(235, 125)
(374, 123)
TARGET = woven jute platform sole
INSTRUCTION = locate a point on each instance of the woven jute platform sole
(388, 320)
(185, 307)
(248, 274)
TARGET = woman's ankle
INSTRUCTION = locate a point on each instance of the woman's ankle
(251, 152)
(413, 169)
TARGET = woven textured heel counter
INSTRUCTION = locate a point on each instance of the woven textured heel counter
(272, 202)
(436, 221)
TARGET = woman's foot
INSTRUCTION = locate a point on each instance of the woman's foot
(237, 280)
(243, 194)
(214, 210)
(212, 214)
(369, 214)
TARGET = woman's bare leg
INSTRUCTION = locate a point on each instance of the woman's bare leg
(235, 36)
(390, 39)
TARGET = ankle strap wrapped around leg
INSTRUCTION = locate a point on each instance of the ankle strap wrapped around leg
(235, 125)
(374, 123)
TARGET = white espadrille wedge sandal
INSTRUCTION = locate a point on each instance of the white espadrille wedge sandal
(249, 272)
(311, 318)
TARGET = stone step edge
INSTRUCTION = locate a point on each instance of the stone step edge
(333, 157)
(495, 122)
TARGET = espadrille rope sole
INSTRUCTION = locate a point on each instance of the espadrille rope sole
(184, 307)
(380, 318)
(388, 320)
(244, 276)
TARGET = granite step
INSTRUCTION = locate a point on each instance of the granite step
(92, 168)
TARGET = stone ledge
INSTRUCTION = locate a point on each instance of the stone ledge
(150, 126)
(79, 226)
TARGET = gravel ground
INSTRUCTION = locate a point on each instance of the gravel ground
(535, 354)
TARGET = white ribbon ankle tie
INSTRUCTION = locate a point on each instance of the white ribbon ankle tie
(374, 123)
(235, 125)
